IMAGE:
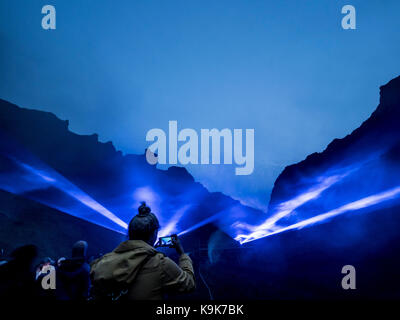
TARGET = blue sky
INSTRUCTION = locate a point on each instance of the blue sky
(285, 68)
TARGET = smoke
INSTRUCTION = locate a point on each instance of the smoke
(179, 202)
(45, 178)
(201, 223)
(24, 174)
(324, 217)
(113, 200)
(362, 185)
(287, 207)
(171, 227)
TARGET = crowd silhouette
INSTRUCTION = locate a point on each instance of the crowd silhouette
(135, 270)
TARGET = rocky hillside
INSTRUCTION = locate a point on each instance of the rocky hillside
(41, 160)
(370, 155)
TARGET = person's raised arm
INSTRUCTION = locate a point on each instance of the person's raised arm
(178, 278)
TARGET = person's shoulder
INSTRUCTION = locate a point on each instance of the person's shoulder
(167, 261)
(159, 254)
(86, 267)
(163, 258)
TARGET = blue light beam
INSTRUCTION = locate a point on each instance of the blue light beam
(352, 206)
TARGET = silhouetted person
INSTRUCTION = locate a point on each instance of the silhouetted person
(136, 271)
(40, 270)
(17, 277)
(73, 275)
(45, 267)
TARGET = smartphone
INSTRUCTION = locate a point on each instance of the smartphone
(165, 242)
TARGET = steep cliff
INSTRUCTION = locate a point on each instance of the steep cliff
(369, 156)
(41, 160)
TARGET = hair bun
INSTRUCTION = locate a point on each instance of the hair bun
(143, 210)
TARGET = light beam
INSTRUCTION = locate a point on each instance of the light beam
(352, 206)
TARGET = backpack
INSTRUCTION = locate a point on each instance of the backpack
(112, 291)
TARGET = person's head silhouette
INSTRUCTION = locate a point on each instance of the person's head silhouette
(144, 226)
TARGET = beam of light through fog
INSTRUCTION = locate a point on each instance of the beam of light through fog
(147, 195)
(352, 206)
(201, 223)
(51, 178)
(34, 175)
(284, 209)
(152, 199)
(287, 207)
(298, 81)
(171, 227)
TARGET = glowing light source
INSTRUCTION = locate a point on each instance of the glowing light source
(171, 227)
(34, 179)
(287, 207)
(352, 206)
(149, 196)
(200, 224)
(51, 178)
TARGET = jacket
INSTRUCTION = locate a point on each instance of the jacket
(145, 273)
(73, 280)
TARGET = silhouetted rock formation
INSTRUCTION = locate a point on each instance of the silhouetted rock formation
(373, 148)
(118, 182)
(307, 263)
(303, 264)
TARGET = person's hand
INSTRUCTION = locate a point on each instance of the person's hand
(177, 244)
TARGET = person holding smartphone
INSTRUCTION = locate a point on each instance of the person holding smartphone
(135, 270)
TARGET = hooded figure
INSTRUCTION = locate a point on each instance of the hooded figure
(136, 271)
(17, 278)
(73, 275)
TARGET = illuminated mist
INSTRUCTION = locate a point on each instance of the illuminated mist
(32, 176)
(51, 178)
(29, 176)
(352, 206)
